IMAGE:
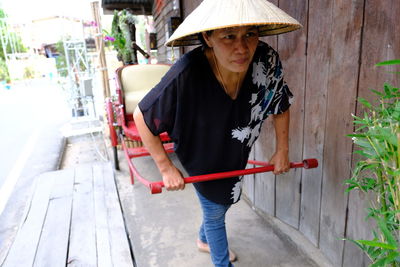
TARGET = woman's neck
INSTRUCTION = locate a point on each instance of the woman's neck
(230, 81)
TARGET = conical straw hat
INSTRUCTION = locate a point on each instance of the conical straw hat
(217, 14)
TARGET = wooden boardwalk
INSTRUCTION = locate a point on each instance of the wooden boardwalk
(74, 219)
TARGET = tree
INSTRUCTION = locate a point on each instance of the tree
(61, 62)
(7, 36)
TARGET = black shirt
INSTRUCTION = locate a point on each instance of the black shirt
(213, 133)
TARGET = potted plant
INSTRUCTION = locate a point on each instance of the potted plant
(122, 35)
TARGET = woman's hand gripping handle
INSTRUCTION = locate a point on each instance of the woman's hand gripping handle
(171, 175)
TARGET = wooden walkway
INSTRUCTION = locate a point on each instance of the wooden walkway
(74, 219)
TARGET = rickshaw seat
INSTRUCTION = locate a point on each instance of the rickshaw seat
(138, 80)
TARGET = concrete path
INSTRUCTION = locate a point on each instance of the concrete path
(163, 229)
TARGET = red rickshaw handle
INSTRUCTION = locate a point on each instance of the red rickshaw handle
(156, 187)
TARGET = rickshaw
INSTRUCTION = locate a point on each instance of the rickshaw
(132, 84)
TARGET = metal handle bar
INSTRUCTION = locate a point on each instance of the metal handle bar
(156, 187)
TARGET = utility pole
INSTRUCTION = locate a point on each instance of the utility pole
(100, 49)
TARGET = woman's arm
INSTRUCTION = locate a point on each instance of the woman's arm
(172, 177)
(281, 157)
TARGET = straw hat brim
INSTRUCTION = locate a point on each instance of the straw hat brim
(218, 14)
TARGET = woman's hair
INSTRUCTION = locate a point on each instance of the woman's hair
(200, 36)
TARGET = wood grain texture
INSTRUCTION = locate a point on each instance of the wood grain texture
(101, 215)
(342, 90)
(82, 247)
(119, 244)
(23, 250)
(264, 183)
(381, 41)
(292, 51)
(318, 52)
(53, 244)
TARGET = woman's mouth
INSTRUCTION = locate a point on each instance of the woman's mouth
(240, 61)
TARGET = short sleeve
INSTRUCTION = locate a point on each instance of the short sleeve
(282, 98)
(159, 107)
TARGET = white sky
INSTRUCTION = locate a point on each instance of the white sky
(25, 10)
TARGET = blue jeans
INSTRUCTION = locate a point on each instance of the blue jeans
(213, 231)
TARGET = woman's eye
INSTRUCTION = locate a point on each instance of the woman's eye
(229, 36)
(251, 34)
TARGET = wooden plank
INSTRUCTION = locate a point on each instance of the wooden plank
(292, 51)
(380, 42)
(102, 232)
(82, 246)
(23, 250)
(342, 90)
(264, 183)
(53, 244)
(120, 250)
(320, 22)
(272, 40)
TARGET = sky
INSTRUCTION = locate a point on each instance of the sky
(26, 10)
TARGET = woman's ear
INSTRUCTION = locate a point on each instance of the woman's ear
(206, 38)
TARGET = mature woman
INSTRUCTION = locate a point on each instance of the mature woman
(213, 102)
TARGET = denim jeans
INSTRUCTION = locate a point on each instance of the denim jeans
(213, 231)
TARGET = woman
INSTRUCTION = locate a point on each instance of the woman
(213, 102)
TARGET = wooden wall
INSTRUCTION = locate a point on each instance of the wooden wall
(327, 64)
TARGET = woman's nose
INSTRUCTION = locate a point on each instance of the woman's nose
(241, 45)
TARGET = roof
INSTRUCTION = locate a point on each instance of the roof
(138, 7)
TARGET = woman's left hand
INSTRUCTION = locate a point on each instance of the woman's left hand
(281, 163)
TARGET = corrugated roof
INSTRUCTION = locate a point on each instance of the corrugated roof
(138, 7)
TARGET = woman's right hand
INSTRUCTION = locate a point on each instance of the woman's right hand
(173, 179)
(172, 176)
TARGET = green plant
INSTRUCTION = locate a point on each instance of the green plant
(122, 35)
(8, 35)
(61, 61)
(378, 172)
(4, 74)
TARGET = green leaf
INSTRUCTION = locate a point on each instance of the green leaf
(373, 252)
(379, 263)
(362, 153)
(377, 244)
(391, 257)
(362, 247)
(377, 92)
(389, 62)
(364, 102)
(356, 135)
(387, 234)
(388, 90)
(393, 172)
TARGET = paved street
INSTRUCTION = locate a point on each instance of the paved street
(30, 113)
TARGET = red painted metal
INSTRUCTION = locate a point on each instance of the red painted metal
(142, 151)
(156, 187)
(110, 118)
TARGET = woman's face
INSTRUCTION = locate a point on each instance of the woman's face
(233, 47)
